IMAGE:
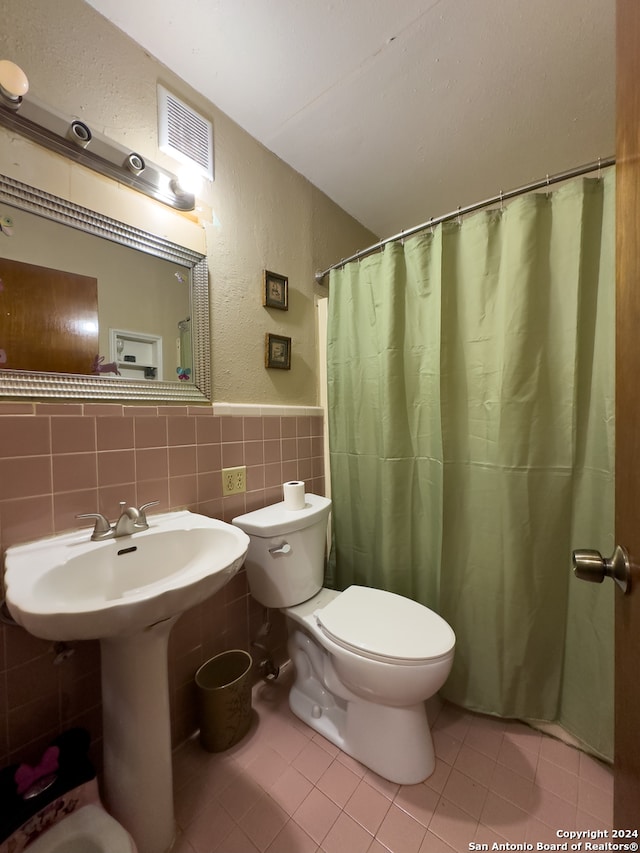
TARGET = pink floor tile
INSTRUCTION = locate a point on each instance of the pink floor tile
(368, 807)
(477, 765)
(182, 845)
(266, 768)
(285, 739)
(465, 792)
(292, 837)
(438, 778)
(561, 754)
(329, 747)
(286, 789)
(485, 736)
(432, 844)
(351, 763)
(400, 833)
(454, 826)
(552, 810)
(484, 835)
(445, 746)
(540, 833)
(523, 736)
(454, 721)
(316, 815)
(338, 783)
(236, 842)
(263, 822)
(209, 829)
(511, 785)
(418, 801)
(589, 821)
(313, 761)
(505, 818)
(560, 782)
(376, 847)
(291, 789)
(518, 758)
(384, 786)
(346, 835)
(240, 796)
(592, 800)
(596, 772)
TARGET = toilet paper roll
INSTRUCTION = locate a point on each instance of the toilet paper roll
(293, 494)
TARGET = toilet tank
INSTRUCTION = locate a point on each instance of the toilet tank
(285, 560)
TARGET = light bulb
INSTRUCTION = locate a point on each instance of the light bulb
(13, 81)
(189, 181)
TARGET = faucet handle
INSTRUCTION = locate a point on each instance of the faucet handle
(102, 527)
(142, 520)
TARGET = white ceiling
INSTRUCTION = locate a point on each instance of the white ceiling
(399, 110)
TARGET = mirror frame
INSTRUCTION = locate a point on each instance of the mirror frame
(36, 384)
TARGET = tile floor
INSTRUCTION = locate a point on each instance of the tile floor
(285, 789)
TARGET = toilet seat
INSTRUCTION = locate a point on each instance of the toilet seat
(386, 627)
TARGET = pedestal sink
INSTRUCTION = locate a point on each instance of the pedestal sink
(128, 593)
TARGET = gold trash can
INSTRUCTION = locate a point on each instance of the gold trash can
(224, 699)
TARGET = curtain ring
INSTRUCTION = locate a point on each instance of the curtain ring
(599, 175)
(431, 225)
(548, 185)
(459, 221)
(501, 202)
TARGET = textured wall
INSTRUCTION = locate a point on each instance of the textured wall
(258, 213)
(59, 459)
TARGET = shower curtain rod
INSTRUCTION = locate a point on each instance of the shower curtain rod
(462, 211)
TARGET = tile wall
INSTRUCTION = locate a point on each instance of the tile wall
(58, 460)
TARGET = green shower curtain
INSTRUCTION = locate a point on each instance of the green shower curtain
(471, 424)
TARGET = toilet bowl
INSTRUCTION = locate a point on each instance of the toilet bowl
(73, 822)
(366, 660)
(88, 830)
(55, 806)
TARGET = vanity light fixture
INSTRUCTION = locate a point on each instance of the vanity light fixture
(75, 139)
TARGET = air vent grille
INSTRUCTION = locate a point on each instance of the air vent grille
(184, 134)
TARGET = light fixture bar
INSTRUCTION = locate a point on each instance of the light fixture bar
(75, 139)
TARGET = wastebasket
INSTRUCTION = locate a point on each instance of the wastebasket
(224, 699)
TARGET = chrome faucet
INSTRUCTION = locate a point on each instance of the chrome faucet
(126, 523)
(131, 520)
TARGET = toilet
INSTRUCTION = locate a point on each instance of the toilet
(366, 660)
(88, 830)
(73, 822)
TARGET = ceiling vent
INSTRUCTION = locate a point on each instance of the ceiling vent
(184, 134)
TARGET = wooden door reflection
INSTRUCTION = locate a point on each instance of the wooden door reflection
(48, 319)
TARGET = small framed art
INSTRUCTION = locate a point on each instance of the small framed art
(277, 351)
(276, 291)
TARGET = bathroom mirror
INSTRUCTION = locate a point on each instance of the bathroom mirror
(123, 300)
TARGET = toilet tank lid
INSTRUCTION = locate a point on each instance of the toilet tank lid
(385, 625)
(277, 520)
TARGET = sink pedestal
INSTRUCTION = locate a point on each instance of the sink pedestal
(137, 735)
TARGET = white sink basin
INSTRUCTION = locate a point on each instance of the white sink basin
(67, 587)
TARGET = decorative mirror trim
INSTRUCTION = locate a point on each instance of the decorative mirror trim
(24, 383)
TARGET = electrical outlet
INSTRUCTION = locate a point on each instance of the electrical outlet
(234, 480)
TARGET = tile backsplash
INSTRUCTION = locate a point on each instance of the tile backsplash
(58, 460)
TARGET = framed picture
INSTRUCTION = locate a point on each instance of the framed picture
(276, 291)
(277, 351)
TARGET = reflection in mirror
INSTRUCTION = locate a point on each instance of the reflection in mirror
(93, 308)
